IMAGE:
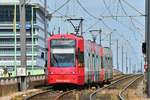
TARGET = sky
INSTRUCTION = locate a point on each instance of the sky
(124, 19)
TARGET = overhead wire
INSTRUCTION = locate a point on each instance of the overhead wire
(124, 11)
(116, 17)
(138, 21)
(107, 7)
(91, 26)
(59, 13)
(105, 10)
(132, 7)
(121, 23)
(120, 16)
(137, 28)
(121, 5)
(133, 25)
(100, 19)
(117, 11)
(87, 10)
(60, 6)
(94, 16)
(130, 21)
(62, 15)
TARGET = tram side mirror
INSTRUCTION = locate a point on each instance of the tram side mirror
(144, 47)
(46, 49)
(42, 55)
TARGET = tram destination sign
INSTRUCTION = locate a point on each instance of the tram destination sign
(63, 42)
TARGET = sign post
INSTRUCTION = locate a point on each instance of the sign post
(23, 81)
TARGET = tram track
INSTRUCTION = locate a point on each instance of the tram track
(37, 95)
(49, 94)
(116, 85)
(71, 94)
(122, 94)
(82, 94)
(60, 97)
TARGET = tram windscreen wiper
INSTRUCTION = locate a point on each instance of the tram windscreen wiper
(54, 58)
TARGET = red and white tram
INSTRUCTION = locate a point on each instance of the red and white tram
(74, 60)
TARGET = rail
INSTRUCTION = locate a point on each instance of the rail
(64, 93)
(123, 90)
(94, 93)
(31, 96)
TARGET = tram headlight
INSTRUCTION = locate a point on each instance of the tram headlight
(73, 72)
(51, 72)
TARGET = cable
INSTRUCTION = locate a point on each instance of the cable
(123, 24)
(97, 18)
(92, 26)
(138, 22)
(100, 19)
(60, 13)
(67, 9)
(86, 10)
(117, 9)
(132, 48)
(122, 16)
(105, 10)
(134, 24)
(116, 16)
(123, 37)
(127, 14)
(61, 6)
(107, 7)
(124, 11)
(106, 25)
(132, 7)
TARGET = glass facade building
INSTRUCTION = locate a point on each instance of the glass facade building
(7, 39)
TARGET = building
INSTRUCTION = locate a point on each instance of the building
(36, 52)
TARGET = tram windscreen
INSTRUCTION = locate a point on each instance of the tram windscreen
(62, 53)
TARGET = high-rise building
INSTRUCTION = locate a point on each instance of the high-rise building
(35, 50)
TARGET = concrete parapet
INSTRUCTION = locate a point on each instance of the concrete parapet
(11, 85)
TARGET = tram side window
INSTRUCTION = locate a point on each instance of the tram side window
(81, 57)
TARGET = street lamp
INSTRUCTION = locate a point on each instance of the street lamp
(32, 27)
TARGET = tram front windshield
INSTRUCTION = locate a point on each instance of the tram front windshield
(62, 53)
